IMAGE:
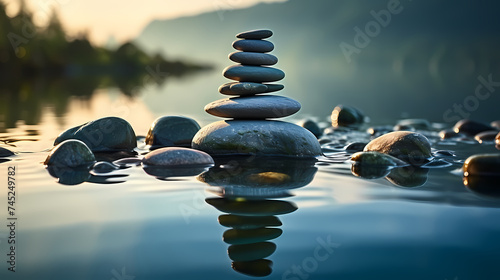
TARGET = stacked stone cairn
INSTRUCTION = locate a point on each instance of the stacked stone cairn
(250, 107)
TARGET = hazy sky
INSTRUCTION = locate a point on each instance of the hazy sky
(123, 19)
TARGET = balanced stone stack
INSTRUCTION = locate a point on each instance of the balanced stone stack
(250, 107)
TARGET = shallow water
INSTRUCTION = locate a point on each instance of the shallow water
(128, 224)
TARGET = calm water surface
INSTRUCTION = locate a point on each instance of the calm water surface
(129, 224)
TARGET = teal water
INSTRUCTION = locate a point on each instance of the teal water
(129, 224)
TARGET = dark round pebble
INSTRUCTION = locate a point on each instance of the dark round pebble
(470, 128)
(255, 34)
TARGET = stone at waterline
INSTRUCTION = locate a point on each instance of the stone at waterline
(484, 186)
(104, 167)
(376, 159)
(256, 137)
(107, 134)
(470, 128)
(482, 165)
(255, 34)
(408, 176)
(176, 157)
(250, 252)
(172, 131)
(253, 58)
(5, 152)
(247, 207)
(312, 126)
(450, 134)
(250, 45)
(243, 88)
(70, 153)
(347, 116)
(248, 73)
(414, 148)
(253, 107)
(355, 147)
(486, 136)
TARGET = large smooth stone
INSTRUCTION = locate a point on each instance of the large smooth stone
(255, 34)
(243, 88)
(175, 157)
(411, 147)
(253, 58)
(253, 107)
(482, 164)
(171, 131)
(347, 116)
(71, 153)
(257, 137)
(470, 128)
(107, 134)
(259, 46)
(258, 74)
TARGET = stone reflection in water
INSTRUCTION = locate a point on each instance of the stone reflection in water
(248, 190)
(406, 176)
(483, 186)
(163, 173)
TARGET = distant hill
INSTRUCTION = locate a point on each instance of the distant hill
(428, 55)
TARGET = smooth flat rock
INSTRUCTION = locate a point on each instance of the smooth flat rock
(482, 165)
(249, 236)
(172, 131)
(248, 222)
(258, 74)
(253, 107)
(252, 207)
(256, 137)
(253, 58)
(70, 153)
(259, 46)
(243, 88)
(109, 134)
(274, 87)
(176, 157)
(255, 34)
(257, 268)
(251, 252)
(470, 127)
(411, 147)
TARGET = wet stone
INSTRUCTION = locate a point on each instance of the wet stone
(486, 136)
(253, 107)
(482, 165)
(450, 134)
(258, 74)
(470, 128)
(108, 134)
(346, 116)
(274, 87)
(172, 131)
(376, 159)
(255, 34)
(243, 88)
(355, 147)
(411, 147)
(259, 46)
(70, 153)
(253, 58)
(176, 156)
